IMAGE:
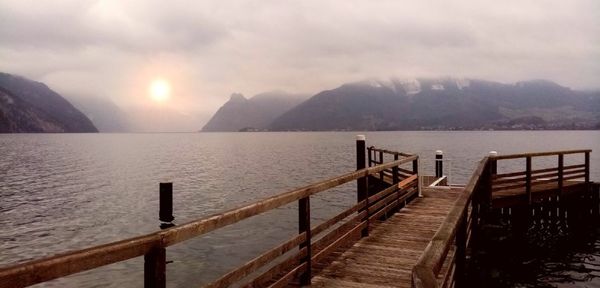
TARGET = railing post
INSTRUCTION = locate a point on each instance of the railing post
(304, 227)
(395, 176)
(587, 167)
(560, 173)
(369, 155)
(439, 163)
(362, 182)
(461, 248)
(493, 162)
(528, 179)
(419, 178)
(381, 162)
(365, 232)
(395, 180)
(155, 263)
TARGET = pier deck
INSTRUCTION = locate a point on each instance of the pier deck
(387, 256)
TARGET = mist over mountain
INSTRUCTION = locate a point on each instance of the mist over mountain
(29, 106)
(445, 103)
(429, 104)
(103, 113)
(255, 113)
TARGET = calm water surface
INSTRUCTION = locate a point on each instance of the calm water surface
(66, 191)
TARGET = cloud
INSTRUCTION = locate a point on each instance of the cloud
(210, 49)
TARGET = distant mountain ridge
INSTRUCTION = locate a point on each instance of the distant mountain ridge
(255, 113)
(444, 104)
(29, 106)
(425, 104)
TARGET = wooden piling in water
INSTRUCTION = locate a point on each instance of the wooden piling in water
(165, 212)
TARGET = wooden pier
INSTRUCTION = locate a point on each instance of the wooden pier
(398, 234)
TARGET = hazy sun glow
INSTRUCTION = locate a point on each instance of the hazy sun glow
(160, 90)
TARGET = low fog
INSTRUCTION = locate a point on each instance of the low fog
(207, 50)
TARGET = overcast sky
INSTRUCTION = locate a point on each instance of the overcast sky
(208, 49)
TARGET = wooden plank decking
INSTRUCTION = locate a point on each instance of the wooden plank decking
(386, 257)
(518, 196)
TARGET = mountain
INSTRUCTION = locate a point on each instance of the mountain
(445, 103)
(103, 113)
(255, 113)
(29, 106)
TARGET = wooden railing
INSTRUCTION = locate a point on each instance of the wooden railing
(296, 267)
(548, 179)
(455, 230)
(375, 156)
(475, 201)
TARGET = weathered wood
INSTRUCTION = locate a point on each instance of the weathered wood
(195, 228)
(165, 211)
(365, 231)
(254, 264)
(395, 171)
(461, 248)
(539, 154)
(339, 241)
(155, 266)
(344, 214)
(528, 179)
(431, 260)
(61, 265)
(391, 203)
(391, 152)
(334, 234)
(561, 164)
(587, 166)
(304, 228)
(386, 257)
(46, 269)
(285, 280)
(381, 162)
(283, 267)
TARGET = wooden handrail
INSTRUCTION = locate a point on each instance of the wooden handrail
(539, 154)
(455, 228)
(372, 148)
(424, 274)
(45, 269)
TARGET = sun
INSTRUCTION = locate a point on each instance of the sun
(160, 90)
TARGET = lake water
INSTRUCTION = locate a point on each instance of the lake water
(67, 191)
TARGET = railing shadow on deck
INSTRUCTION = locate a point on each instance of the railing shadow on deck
(473, 207)
(296, 267)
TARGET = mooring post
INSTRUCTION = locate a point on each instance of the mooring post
(165, 211)
(439, 163)
(304, 227)
(362, 183)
